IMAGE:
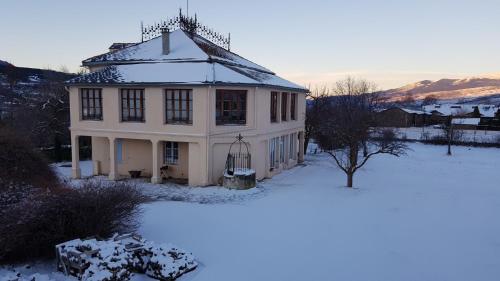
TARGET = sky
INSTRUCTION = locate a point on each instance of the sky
(312, 42)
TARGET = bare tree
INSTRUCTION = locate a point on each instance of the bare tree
(347, 126)
(451, 134)
(313, 112)
(43, 116)
(430, 99)
(408, 100)
(14, 75)
(63, 69)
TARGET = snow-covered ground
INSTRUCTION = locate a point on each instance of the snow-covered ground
(424, 216)
(168, 191)
(427, 133)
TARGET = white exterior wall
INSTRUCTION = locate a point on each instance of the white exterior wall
(204, 144)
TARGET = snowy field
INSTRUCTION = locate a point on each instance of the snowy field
(425, 133)
(424, 216)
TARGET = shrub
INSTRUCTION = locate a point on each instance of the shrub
(32, 227)
(497, 139)
(21, 166)
(425, 136)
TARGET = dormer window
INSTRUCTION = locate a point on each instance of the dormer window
(91, 100)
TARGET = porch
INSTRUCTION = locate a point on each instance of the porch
(159, 160)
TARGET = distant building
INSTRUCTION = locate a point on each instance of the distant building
(466, 123)
(476, 116)
(462, 110)
(401, 117)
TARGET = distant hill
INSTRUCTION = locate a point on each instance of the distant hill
(4, 63)
(472, 89)
(31, 75)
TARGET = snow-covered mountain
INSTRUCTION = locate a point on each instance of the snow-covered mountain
(4, 63)
(471, 89)
(29, 76)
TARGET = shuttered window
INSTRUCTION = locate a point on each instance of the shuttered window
(231, 107)
(91, 104)
(132, 105)
(179, 106)
(284, 106)
(274, 107)
(293, 106)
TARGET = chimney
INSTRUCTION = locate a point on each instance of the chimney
(165, 39)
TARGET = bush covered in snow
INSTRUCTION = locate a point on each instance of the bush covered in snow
(32, 227)
(117, 258)
(17, 276)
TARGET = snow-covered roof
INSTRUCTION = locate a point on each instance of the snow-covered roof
(412, 111)
(186, 73)
(192, 60)
(486, 110)
(466, 121)
(407, 110)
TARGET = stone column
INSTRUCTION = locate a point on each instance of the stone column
(112, 159)
(301, 147)
(76, 172)
(155, 179)
(198, 164)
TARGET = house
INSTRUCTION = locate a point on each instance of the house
(463, 110)
(176, 101)
(465, 123)
(475, 115)
(401, 117)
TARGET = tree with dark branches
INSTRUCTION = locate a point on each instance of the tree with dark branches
(348, 127)
(313, 112)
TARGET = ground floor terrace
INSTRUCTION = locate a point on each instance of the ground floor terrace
(194, 160)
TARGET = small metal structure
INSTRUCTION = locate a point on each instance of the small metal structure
(238, 172)
(188, 24)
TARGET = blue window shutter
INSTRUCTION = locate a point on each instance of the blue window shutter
(119, 151)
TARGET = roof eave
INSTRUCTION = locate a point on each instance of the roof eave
(190, 84)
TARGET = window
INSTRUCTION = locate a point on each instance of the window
(132, 105)
(284, 106)
(293, 106)
(273, 152)
(283, 141)
(179, 106)
(293, 146)
(171, 153)
(274, 107)
(91, 104)
(231, 107)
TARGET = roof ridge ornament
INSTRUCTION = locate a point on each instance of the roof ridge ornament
(189, 25)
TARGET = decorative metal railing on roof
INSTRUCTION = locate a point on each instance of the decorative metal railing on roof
(188, 24)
